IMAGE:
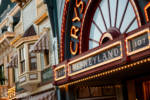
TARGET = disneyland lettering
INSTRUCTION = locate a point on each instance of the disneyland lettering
(96, 59)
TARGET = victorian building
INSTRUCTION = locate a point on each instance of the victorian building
(28, 51)
(9, 20)
(35, 52)
(104, 50)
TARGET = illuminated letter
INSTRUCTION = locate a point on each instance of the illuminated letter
(76, 18)
(73, 52)
(80, 3)
(74, 31)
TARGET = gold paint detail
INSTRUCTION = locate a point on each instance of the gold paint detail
(41, 18)
(15, 39)
(146, 13)
(12, 93)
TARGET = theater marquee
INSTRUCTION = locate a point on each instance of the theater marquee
(99, 35)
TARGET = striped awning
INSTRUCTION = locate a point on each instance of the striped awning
(14, 62)
(42, 44)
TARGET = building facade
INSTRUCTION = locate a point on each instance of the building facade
(104, 50)
(9, 18)
(28, 51)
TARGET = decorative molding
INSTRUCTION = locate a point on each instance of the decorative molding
(22, 40)
(5, 36)
(15, 39)
(146, 12)
(41, 18)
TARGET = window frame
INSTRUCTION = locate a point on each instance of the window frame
(32, 57)
(2, 73)
(46, 58)
(22, 61)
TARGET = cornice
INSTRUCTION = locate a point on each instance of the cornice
(21, 40)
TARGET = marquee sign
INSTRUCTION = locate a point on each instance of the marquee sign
(138, 42)
(60, 72)
(96, 59)
(135, 42)
(85, 24)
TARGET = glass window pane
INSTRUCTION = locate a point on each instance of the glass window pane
(33, 64)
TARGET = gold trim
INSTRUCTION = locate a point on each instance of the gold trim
(12, 92)
(41, 18)
(94, 53)
(134, 36)
(62, 66)
(15, 39)
(26, 3)
(145, 11)
(6, 35)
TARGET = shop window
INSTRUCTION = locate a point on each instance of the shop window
(96, 91)
(22, 60)
(83, 92)
(2, 78)
(92, 92)
(46, 57)
(32, 59)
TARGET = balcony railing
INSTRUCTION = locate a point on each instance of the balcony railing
(30, 80)
(3, 91)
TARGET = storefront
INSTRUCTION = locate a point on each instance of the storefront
(105, 50)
